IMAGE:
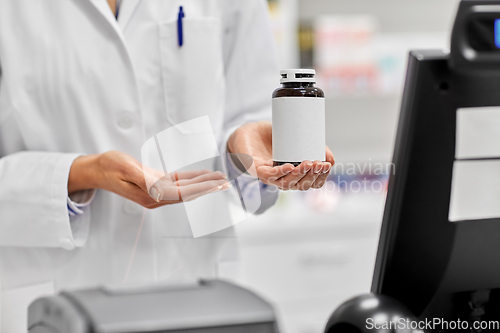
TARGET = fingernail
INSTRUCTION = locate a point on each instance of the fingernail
(226, 186)
(155, 194)
(317, 169)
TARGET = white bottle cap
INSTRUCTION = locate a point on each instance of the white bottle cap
(298, 75)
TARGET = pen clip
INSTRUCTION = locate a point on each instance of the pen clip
(180, 35)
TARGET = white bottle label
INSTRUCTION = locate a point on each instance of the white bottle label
(298, 129)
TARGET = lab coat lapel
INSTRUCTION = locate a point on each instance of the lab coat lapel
(105, 11)
(126, 11)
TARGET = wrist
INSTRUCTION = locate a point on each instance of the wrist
(84, 174)
(230, 143)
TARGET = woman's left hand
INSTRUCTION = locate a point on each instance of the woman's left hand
(255, 140)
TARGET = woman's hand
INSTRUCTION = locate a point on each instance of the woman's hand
(255, 139)
(120, 173)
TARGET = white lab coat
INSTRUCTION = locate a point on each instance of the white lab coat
(75, 81)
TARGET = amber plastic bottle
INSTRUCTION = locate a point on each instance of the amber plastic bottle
(298, 118)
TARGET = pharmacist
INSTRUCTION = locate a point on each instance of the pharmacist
(83, 84)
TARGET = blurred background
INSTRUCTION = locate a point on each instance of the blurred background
(314, 250)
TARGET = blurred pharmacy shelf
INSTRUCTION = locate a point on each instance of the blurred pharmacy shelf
(394, 15)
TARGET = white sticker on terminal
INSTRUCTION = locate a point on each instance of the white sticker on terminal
(478, 133)
(475, 192)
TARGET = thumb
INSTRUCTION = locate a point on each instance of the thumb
(155, 194)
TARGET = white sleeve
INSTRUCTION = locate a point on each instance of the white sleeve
(251, 68)
(252, 190)
(79, 201)
(33, 201)
(250, 61)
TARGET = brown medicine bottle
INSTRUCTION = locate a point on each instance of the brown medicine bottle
(298, 118)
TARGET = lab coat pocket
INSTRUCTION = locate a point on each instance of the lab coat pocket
(193, 74)
(14, 305)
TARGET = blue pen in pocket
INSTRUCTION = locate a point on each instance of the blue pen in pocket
(497, 33)
(180, 36)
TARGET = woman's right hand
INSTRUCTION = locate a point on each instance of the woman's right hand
(122, 174)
